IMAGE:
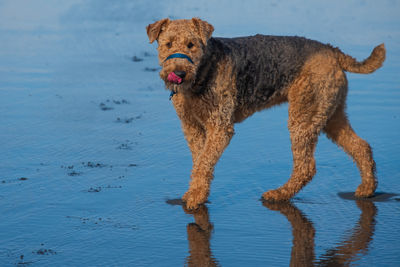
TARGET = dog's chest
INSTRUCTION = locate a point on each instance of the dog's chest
(191, 110)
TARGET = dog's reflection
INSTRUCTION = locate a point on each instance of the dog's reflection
(303, 236)
(199, 234)
(303, 253)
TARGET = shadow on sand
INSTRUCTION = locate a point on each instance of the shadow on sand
(351, 248)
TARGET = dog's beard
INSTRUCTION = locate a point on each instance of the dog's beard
(173, 87)
(184, 87)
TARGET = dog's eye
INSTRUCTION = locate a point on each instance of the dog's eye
(190, 45)
(169, 44)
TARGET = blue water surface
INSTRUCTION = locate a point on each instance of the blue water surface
(93, 160)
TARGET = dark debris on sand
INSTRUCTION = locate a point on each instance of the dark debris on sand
(137, 59)
(44, 251)
(128, 120)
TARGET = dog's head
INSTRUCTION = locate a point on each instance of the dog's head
(181, 45)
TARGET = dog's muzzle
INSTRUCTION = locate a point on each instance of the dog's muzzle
(177, 76)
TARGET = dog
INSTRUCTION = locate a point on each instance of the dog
(217, 82)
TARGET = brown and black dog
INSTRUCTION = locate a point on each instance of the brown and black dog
(216, 82)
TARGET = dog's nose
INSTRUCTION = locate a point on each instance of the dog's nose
(181, 74)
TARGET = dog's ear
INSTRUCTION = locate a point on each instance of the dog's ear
(203, 28)
(154, 30)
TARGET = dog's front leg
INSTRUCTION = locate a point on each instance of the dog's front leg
(193, 131)
(195, 136)
(217, 139)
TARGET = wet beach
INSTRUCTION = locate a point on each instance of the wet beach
(93, 160)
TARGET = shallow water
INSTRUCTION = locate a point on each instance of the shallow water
(93, 159)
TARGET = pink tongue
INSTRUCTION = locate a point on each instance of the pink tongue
(172, 77)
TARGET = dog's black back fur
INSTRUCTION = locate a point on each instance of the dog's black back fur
(263, 64)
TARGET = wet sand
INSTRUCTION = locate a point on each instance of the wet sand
(93, 160)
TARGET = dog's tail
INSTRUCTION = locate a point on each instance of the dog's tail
(369, 65)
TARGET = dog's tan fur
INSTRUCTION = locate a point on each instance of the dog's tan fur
(214, 96)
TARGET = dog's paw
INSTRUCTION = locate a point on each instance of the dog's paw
(194, 198)
(277, 195)
(365, 190)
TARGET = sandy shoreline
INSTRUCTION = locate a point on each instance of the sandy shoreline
(93, 159)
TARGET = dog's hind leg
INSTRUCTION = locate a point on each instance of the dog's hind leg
(304, 139)
(312, 101)
(339, 131)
